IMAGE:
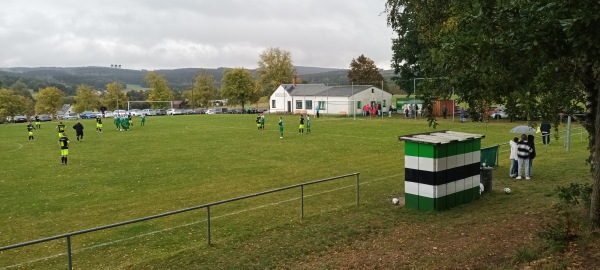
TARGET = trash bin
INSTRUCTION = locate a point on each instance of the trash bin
(486, 179)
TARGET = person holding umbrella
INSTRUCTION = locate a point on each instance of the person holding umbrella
(523, 153)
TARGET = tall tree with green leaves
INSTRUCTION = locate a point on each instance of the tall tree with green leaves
(49, 100)
(274, 68)
(537, 56)
(204, 90)
(114, 96)
(12, 104)
(86, 99)
(160, 90)
(239, 87)
(363, 71)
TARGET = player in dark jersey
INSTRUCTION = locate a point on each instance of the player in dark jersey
(79, 131)
(30, 129)
(37, 122)
(60, 128)
(301, 127)
(258, 122)
(98, 123)
(63, 142)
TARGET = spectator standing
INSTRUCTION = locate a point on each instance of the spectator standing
(444, 111)
(523, 152)
(545, 129)
(531, 143)
(513, 157)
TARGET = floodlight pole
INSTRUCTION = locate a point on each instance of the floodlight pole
(116, 67)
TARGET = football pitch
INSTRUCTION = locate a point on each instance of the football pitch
(176, 162)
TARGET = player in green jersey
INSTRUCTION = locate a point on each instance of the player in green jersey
(143, 120)
(280, 127)
(262, 121)
(118, 122)
(307, 124)
(63, 142)
(124, 124)
(60, 128)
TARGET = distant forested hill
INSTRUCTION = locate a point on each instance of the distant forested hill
(68, 78)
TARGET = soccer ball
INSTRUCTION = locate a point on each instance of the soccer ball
(507, 190)
(395, 201)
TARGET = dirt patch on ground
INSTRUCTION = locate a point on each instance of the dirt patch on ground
(480, 244)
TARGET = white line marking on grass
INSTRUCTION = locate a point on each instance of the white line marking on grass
(196, 222)
(20, 146)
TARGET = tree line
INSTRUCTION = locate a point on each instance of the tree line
(96, 89)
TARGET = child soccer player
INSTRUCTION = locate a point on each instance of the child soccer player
(63, 142)
(143, 120)
(61, 129)
(30, 129)
(307, 124)
(258, 122)
(301, 127)
(118, 122)
(262, 121)
(280, 127)
(98, 123)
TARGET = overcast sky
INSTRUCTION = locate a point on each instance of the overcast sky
(155, 34)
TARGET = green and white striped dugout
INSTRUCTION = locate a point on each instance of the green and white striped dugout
(442, 169)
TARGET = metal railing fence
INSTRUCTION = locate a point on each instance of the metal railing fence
(68, 236)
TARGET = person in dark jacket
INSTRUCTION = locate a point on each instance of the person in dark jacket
(531, 143)
(79, 131)
(523, 152)
(545, 129)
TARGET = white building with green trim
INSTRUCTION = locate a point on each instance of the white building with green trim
(331, 100)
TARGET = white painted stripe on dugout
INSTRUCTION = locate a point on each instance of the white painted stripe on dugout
(441, 191)
(411, 162)
(469, 158)
(427, 191)
(440, 164)
(476, 180)
(477, 156)
(460, 160)
(450, 188)
(460, 185)
(469, 183)
(426, 164)
(411, 188)
(450, 162)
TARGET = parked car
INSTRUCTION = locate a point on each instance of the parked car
(188, 111)
(200, 111)
(44, 118)
(161, 112)
(120, 113)
(210, 111)
(149, 112)
(498, 113)
(70, 116)
(108, 114)
(89, 115)
(19, 119)
(174, 111)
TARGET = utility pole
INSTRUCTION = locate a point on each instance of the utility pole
(116, 67)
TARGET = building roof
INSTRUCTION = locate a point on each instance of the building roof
(323, 90)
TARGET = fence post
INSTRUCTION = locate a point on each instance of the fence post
(302, 202)
(208, 224)
(357, 188)
(69, 252)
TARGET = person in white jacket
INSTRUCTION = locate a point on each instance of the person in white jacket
(513, 157)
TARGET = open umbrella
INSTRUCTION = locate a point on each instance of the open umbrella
(523, 130)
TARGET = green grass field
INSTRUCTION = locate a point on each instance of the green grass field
(176, 162)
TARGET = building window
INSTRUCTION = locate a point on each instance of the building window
(384, 103)
(309, 105)
(273, 104)
(298, 104)
(358, 105)
(322, 105)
